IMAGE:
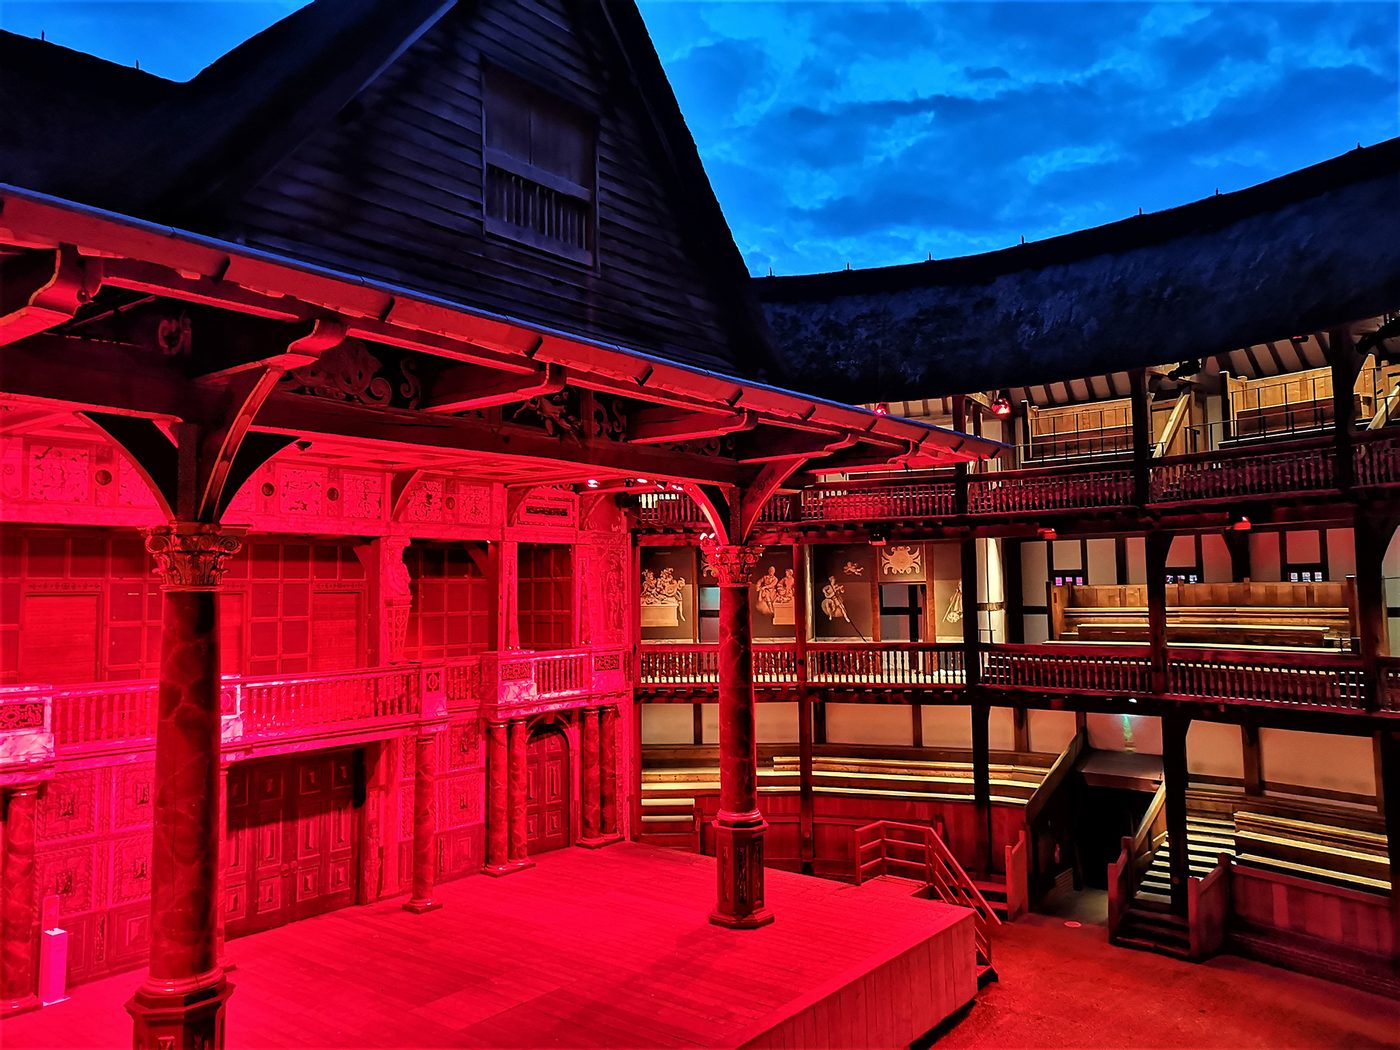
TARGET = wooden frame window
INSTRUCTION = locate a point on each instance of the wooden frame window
(540, 168)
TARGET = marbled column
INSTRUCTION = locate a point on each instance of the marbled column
(519, 785)
(19, 900)
(424, 824)
(589, 778)
(497, 800)
(220, 920)
(607, 763)
(181, 1003)
(739, 826)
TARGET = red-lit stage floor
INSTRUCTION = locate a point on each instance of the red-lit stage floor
(590, 948)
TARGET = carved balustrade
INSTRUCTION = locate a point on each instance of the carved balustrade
(275, 705)
(1279, 679)
(893, 664)
(104, 714)
(523, 682)
(1219, 475)
(1237, 473)
(1094, 669)
(1029, 491)
(883, 500)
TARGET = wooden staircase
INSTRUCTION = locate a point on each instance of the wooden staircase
(888, 848)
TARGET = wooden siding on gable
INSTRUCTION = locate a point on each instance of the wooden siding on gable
(393, 189)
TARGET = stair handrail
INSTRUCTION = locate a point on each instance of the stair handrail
(1135, 857)
(941, 870)
(1208, 908)
(1120, 886)
(1053, 782)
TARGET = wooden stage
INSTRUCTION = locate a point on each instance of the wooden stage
(589, 948)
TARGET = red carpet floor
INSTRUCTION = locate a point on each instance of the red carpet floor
(1064, 987)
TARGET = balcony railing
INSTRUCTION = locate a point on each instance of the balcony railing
(276, 705)
(1278, 678)
(1094, 669)
(121, 716)
(1243, 473)
(1216, 476)
(1030, 491)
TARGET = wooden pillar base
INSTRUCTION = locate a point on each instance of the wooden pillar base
(180, 1015)
(739, 870)
(599, 841)
(22, 1005)
(419, 907)
(510, 867)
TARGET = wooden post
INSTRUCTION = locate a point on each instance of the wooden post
(1390, 792)
(1372, 531)
(982, 783)
(506, 557)
(1253, 760)
(960, 479)
(1343, 362)
(806, 835)
(1174, 773)
(1142, 438)
(1158, 544)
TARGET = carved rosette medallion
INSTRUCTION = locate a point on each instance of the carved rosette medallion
(191, 556)
(732, 565)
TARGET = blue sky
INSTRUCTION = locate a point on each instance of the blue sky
(871, 134)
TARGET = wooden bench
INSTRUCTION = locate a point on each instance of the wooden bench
(1329, 853)
(1241, 632)
(1306, 615)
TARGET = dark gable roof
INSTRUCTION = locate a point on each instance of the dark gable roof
(1312, 249)
(66, 117)
(180, 153)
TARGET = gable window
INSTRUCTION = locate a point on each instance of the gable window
(540, 165)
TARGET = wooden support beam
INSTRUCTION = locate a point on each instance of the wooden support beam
(806, 810)
(654, 426)
(771, 444)
(1390, 794)
(1371, 534)
(1253, 759)
(463, 388)
(1157, 545)
(1175, 774)
(982, 782)
(1345, 364)
(41, 289)
(1142, 438)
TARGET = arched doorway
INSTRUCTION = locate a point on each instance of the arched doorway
(547, 790)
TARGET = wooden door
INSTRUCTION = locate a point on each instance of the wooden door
(60, 633)
(547, 791)
(335, 631)
(290, 851)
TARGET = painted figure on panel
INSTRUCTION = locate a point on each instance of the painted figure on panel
(833, 600)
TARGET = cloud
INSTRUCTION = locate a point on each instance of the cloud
(879, 133)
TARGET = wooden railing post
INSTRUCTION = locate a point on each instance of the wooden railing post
(1158, 544)
(1344, 364)
(1142, 438)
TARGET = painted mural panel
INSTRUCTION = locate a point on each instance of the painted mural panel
(771, 597)
(668, 607)
(843, 582)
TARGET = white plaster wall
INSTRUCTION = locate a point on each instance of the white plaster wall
(1001, 729)
(1050, 731)
(667, 724)
(1103, 562)
(947, 726)
(1034, 572)
(1215, 559)
(1137, 560)
(1214, 749)
(775, 723)
(869, 724)
(1341, 553)
(1264, 560)
(1318, 760)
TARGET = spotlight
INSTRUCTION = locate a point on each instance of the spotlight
(593, 483)
(1240, 523)
(641, 481)
(882, 408)
(878, 538)
(1046, 533)
(1001, 406)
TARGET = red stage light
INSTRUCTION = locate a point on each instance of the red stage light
(882, 409)
(1001, 407)
(1046, 534)
(1241, 524)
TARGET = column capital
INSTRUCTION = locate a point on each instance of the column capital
(733, 564)
(192, 556)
